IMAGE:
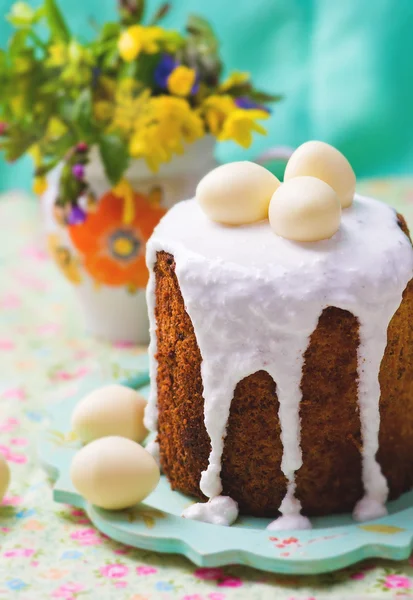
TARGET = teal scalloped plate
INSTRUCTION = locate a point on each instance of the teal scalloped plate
(333, 543)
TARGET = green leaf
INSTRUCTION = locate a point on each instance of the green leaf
(56, 21)
(114, 155)
(17, 42)
(109, 30)
(83, 113)
(263, 97)
(131, 11)
(200, 29)
(161, 13)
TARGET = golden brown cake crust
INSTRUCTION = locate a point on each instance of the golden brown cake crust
(329, 480)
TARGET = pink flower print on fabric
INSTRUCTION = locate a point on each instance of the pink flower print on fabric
(9, 424)
(68, 591)
(86, 537)
(12, 500)
(35, 253)
(66, 376)
(209, 573)
(48, 328)
(19, 553)
(357, 576)
(232, 582)
(16, 393)
(114, 571)
(146, 570)
(19, 441)
(11, 456)
(120, 584)
(32, 283)
(7, 345)
(10, 301)
(397, 582)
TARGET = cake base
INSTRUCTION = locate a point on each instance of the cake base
(330, 479)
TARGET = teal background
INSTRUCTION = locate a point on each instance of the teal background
(344, 68)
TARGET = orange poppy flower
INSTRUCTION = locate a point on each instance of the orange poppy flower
(113, 251)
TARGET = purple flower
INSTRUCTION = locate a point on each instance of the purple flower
(247, 103)
(78, 171)
(163, 69)
(195, 87)
(76, 216)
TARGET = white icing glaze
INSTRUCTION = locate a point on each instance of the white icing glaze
(289, 523)
(150, 419)
(153, 448)
(254, 299)
(221, 510)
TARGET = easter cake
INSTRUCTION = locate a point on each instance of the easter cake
(282, 344)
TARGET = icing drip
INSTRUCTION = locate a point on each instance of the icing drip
(255, 298)
(221, 510)
(373, 340)
(151, 410)
(290, 522)
(153, 449)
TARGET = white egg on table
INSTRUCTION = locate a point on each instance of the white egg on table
(4, 476)
(237, 193)
(318, 159)
(305, 209)
(110, 410)
(114, 473)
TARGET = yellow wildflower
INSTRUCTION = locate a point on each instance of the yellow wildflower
(137, 39)
(181, 80)
(131, 104)
(22, 64)
(216, 110)
(55, 128)
(240, 124)
(39, 185)
(17, 104)
(103, 110)
(36, 154)
(161, 131)
(58, 55)
(172, 41)
(236, 78)
(152, 36)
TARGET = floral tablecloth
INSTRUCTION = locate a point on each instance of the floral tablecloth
(49, 550)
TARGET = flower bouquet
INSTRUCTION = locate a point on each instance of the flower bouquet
(119, 128)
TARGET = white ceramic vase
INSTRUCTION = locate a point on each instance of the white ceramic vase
(115, 312)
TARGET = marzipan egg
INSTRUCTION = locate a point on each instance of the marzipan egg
(237, 193)
(110, 410)
(318, 159)
(4, 476)
(305, 209)
(114, 473)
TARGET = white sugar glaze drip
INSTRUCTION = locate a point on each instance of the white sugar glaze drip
(254, 299)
